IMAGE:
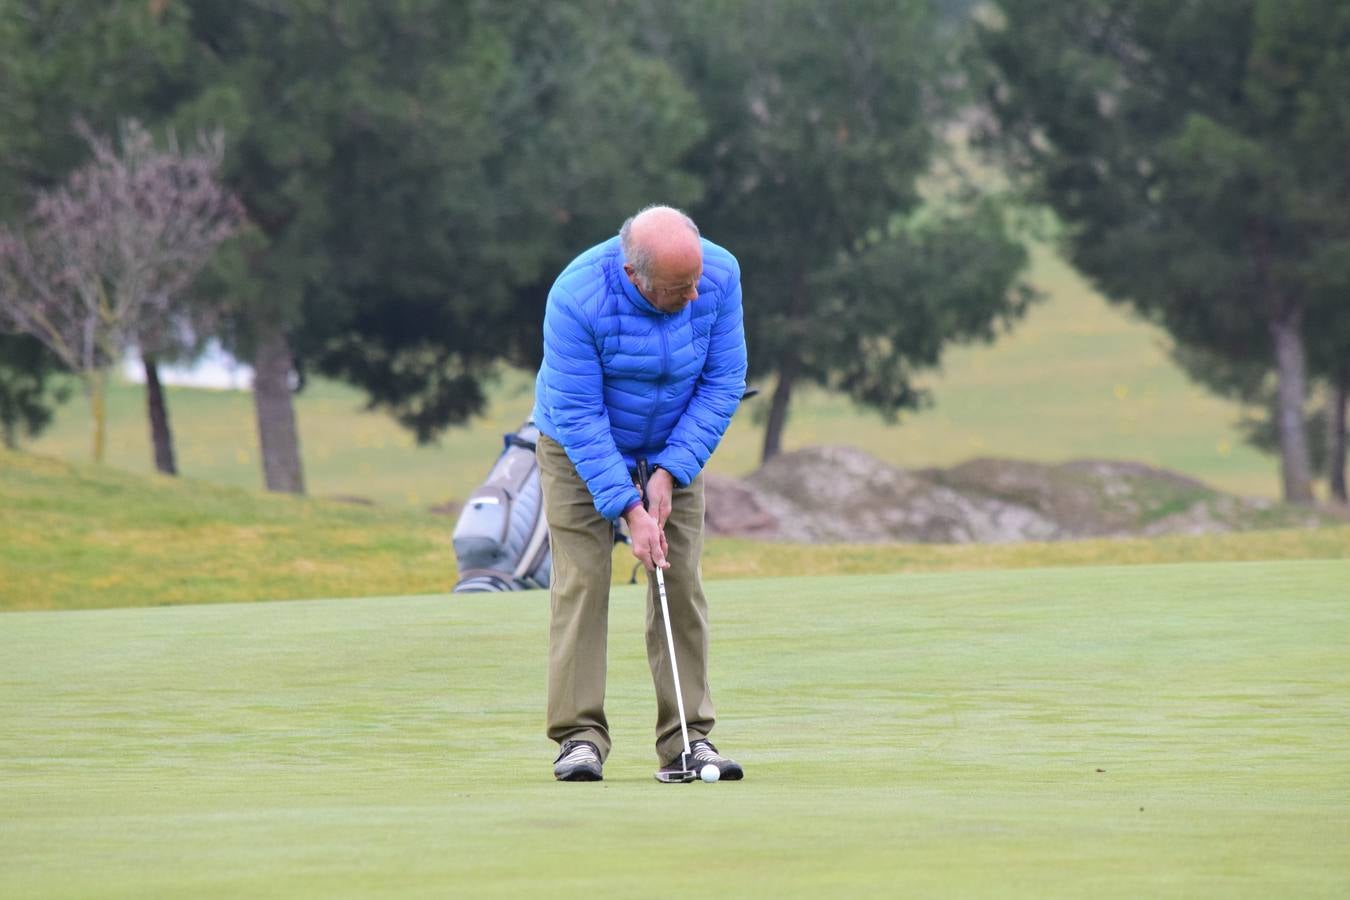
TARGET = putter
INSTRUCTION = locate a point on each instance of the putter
(685, 775)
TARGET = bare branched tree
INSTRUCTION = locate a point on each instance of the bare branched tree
(107, 255)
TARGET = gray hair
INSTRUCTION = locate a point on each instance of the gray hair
(641, 257)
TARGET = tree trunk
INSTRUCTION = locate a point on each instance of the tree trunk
(778, 409)
(96, 387)
(1340, 395)
(1295, 459)
(277, 435)
(161, 436)
(11, 436)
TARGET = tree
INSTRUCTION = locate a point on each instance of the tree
(822, 119)
(110, 251)
(172, 336)
(1336, 435)
(62, 61)
(599, 129)
(1151, 129)
(426, 168)
(1305, 86)
(28, 394)
(1253, 383)
(536, 161)
(414, 172)
(885, 312)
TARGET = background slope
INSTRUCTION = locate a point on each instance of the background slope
(78, 536)
(1078, 378)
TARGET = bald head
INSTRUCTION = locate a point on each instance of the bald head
(662, 256)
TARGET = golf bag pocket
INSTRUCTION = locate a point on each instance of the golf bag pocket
(501, 538)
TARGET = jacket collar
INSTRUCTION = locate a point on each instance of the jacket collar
(630, 290)
(634, 295)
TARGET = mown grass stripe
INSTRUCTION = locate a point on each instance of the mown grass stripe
(928, 734)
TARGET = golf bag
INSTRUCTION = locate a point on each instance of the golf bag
(501, 538)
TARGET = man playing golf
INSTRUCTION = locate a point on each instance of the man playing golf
(644, 359)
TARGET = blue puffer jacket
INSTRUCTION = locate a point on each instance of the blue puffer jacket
(623, 380)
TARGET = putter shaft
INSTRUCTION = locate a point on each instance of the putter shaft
(674, 667)
(670, 636)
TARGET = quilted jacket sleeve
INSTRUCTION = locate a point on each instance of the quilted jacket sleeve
(577, 407)
(717, 393)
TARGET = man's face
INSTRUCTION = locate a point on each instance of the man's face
(672, 287)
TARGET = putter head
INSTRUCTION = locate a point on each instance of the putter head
(682, 775)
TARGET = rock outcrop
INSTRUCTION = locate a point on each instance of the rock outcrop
(841, 494)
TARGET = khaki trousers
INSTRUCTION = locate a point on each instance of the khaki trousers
(582, 543)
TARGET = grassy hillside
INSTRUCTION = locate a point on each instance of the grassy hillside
(1170, 731)
(1077, 379)
(81, 536)
(76, 536)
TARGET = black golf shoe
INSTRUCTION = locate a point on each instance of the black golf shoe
(578, 761)
(702, 753)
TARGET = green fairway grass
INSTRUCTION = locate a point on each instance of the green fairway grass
(78, 536)
(1151, 731)
(1078, 378)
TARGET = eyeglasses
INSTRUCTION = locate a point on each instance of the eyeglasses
(673, 290)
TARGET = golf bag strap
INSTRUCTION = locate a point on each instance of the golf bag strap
(536, 548)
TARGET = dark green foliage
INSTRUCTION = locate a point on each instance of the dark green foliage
(29, 390)
(821, 121)
(63, 61)
(1196, 153)
(887, 311)
(1130, 119)
(956, 10)
(1259, 430)
(419, 171)
(1304, 84)
(1251, 382)
(1306, 80)
(416, 172)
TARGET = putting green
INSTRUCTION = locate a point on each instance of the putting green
(1151, 731)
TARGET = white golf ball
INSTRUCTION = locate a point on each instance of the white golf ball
(710, 773)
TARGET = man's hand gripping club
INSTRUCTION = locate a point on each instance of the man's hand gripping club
(647, 523)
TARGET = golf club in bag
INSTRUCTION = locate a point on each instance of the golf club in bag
(685, 774)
